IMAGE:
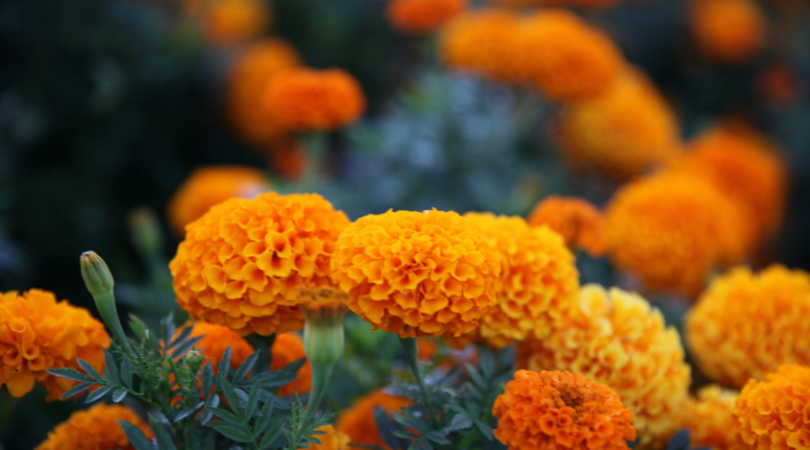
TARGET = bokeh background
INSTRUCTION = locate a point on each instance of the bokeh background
(108, 106)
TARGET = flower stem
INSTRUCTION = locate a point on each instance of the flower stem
(315, 146)
(409, 345)
(321, 374)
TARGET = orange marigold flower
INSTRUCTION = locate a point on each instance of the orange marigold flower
(577, 61)
(623, 132)
(618, 339)
(242, 263)
(358, 421)
(422, 16)
(96, 428)
(320, 100)
(539, 282)
(650, 235)
(580, 223)
(577, 3)
(211, 185)
(747, 325)
(482, 42)
(288, 348)
(746, 167)
(249, 76)
(38, 333)
(561, 410)
(227, 22)
(730, 31)
(775, 414)
(416, 273)
(217, 339)
(708, 417)
(330, 439)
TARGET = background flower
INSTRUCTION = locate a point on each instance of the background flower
(95, 428)
(709, 417)
(577, 221)
(358, 422)
(422, 16)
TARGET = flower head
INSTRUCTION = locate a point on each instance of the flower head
(38, 333)
(422, 16)
(539, 283)
(650, 236)
(314, 100)
(580, 223)
(96, 428)
(330, 439)
(249, 76)
(747, 325)
(209, 186)
(243, 262)
(288, 348)
(618, 339)
(227, 22)
(416, 274)
(358, 420)
(730, 31)
(774, 413)
(709, 419)
(623, 132)
(561, 410)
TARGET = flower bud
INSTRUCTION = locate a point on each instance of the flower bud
(96, 274)
(145, 232)
(194, 360)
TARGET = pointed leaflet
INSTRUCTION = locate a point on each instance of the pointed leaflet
(243, 370)
(126, 373)
(135, 436)
(81, 387)
(112, 371)
(234, 432)
(71, 374)
(98, 393)
(164, 440)
(118, 395)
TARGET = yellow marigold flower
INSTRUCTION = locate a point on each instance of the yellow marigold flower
(227, 22)
(288, 348)
(775, 414)
(747, 325)
(580, 223)
(314, 100)
(561, 410)
(650, 235)
(745, 167)
(623, 132)
(330, 439)
(416, 273)
(482, 42)
(539, 282)
(209, 186)
(577, 62)
(38, 333)
(358, 421)
(730, 31)
(617, 339)
(96, 428)
(242, 263)
(422, 16)
(708, 417)
(249, 76)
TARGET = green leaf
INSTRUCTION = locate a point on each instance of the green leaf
(243, 370)
(187, 411)
(231, 432)
(263, 344)
(98, 393)
(126, 373)
(137, 326)
(227, 416)
(233, 400)
(420, 444)
(191, 436)
(438, 437)
(135, 436)
(207, 378)
(252, 401)
(385, 427)
(71, 374)
(476, 377)
(486, 361)
(167, 328)
(81, 387)
(224, 367)
(181, 337)
(485, 429)
(459, 422)
(112, 371)
(271, 435)
(185, 346)
(469, 438)
(206, 415)
(118, 395)
(272, 379)
(294, 366)
(164, 440)
(263, 422)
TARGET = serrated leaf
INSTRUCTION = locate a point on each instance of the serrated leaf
(90, 370)
(162, 436)
(212, 402)
(224, 366)
(71, 374)
(227, 416)
(263, 422)
(243, 370)
(181, 337)
(191, 436)
(233, 400)
(98, 393)
(185, 346)
(187, 411)
(118, 395)
(207, 378)
(459, 422)
(271, 435)
(231, 432)
(252, 401)
(110, 367)
(79, 388)
(385, 427)
(126, 373)
(475, 376)
(135, 436)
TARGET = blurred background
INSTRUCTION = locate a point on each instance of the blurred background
(108, 107)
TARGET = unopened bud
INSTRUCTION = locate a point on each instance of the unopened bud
(145, 231)
(96, 274)
(194, 360)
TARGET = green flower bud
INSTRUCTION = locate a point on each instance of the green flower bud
(145, 232)
(194, 360)
(96, 274)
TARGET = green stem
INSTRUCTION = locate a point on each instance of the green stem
(106, 308)
(409, 345)
(315, 146)
(321, 374)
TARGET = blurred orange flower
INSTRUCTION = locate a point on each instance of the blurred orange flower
(330, 439)
(38, 333)
(288, 348)
(209, 186)
(95, 428)
(217, 339)
(288, 158)
(730, 31)
(228, 22)
(561, 410)
(709, 417)
(580, 223)
(422, 16)
(358, 420)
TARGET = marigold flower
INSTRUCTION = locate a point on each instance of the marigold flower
(616, 338)
(744, 166)
(38, 333)
(249, 76)
(288, 158)
(580, 223)
(416, 273)
(227, 22)
(288, 348)
(747, 325)
(709, 418)
(561, 410)
(576, 3)
(623, 132)
(242, 263)
(730, 31)
(539, 282)
(422, 16)
(775, 414)
(650, 236)
(211, 185)
(330, 439)
(358, 420)
(96, 428)
(577, 62)
(779, 84)
(314, 100)
(482, 42)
